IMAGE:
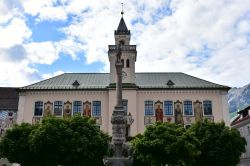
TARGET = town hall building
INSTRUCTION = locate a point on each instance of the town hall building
(147, 97)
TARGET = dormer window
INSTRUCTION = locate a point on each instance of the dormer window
(127, 63)
(170, 83)
(76, 84)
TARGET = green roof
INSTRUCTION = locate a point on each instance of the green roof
(98, 81)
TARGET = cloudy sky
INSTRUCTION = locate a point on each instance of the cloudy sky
(209, 39)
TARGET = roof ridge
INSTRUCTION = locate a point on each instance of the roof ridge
(86, 73)
(155, 72)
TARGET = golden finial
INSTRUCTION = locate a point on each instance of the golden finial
(122, 10)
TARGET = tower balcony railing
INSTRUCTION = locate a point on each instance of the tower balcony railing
(124, 48)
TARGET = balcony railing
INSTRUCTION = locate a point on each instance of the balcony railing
(209, 118)
(124, 48)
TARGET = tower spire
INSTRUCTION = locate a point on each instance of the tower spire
(122, 28)
(122, 10)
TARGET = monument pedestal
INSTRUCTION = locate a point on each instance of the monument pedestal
(118, 161)
(120, 149)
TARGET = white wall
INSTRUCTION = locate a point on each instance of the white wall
(135, 99)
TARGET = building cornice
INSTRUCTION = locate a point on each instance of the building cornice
(63, 92)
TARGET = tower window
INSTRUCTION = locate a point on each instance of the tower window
(122, 60)
(121, 42)
(127, 63)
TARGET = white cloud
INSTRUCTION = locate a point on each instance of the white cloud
(44, 9)
(208, 39)
(53, 13)
(34, 7)
(216, 31)
(193, 25)
(69, 47)
(14, 33)
(93, 36)
(49, 75)
(17, 74)
(9, 9)
(42, 52)
(15, 63)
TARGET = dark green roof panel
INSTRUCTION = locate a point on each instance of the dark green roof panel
(122, 28)
(97, 81)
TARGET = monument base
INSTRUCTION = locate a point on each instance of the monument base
(118, 161)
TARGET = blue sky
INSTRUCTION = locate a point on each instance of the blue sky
(43, 38)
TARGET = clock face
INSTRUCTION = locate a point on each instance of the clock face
(124, 74)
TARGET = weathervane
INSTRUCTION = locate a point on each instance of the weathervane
(122, 10)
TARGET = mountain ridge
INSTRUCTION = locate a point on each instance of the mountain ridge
(238, 98)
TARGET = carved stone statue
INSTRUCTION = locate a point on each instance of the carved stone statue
(198, 111)
(178, 113)
(87, 109)
(67, 109)
(159, 112)
(48, 109)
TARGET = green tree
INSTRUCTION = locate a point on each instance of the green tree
(164, 143)
(219, 145)
(15, 145)
(75, 141)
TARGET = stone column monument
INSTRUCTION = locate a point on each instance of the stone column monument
(121, 151)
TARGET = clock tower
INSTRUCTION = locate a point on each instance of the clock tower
(128, 54)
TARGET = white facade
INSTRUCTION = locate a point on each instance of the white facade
(136, 105)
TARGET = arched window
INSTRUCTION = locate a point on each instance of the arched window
(127, 63)
(122, 60)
